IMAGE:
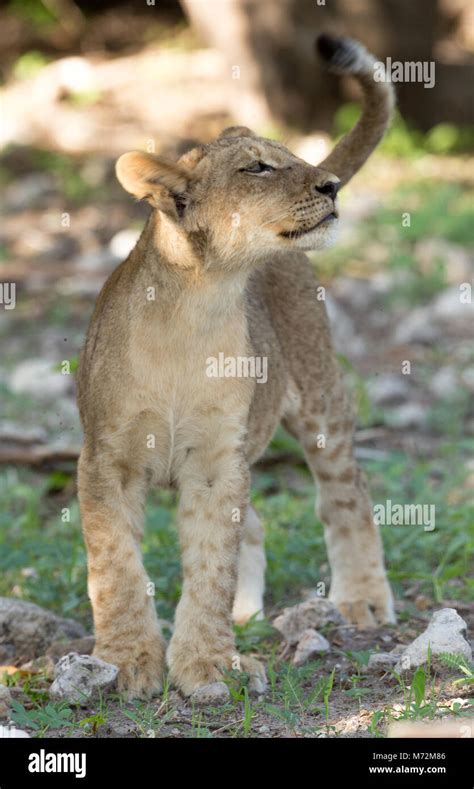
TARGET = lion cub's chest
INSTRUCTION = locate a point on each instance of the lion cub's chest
(187, 398)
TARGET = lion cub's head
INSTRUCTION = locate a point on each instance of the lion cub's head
(242, 196)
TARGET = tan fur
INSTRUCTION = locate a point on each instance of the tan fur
(219, 269)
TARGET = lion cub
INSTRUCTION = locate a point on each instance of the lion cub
(217, 281)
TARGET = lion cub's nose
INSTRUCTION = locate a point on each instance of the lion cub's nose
(329, 188)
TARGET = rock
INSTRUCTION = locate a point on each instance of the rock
(96, 260)
(215, 694)
(26, 630)
(382, 661)
(445, 633)
(79, 677)
(417, 327)
(399, 649)
(39, 378)
(313, 613)
(448, 307)
(12, 731)
(5, 701)
(310, 644)
(10, 432)
(123, 242)
(346, 340)
(43, 664)
(389, 389)
(354, 291)
(30, 191)
(83, 646)
(406, 416)
(444, 383)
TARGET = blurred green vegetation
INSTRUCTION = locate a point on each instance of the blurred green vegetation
(405, 141)
(438, 211)
(29, 64)
(35, 11)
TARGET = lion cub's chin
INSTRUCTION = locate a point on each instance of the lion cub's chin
(321, 238)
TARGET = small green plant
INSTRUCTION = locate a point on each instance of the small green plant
(377, 718)
(252, 633)
(40, 719)
(91, 723)
(327, 690)
(248, 714)
(459, 663)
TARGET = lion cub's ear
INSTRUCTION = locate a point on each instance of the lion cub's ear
(152, 178)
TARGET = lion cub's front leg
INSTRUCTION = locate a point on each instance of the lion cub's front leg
(214, 484)
(126, 627)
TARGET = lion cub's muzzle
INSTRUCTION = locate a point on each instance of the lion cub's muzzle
(316, 208)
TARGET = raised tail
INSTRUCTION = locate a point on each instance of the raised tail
(345, 56)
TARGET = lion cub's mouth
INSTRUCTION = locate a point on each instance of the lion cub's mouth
(298, 233)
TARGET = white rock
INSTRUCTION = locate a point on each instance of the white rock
(449, 307)
(39, 378)
(74, 74)
(444, 383)
(26, 630)
(313, 613)
(382, 661)
(30, 191)
(79, 677)
(123, 242)
(216, 693)
(417, 327)
(445, 633)
(12, 432)
(389, 389)
(310, 644)
(12, 732)
(407, 415)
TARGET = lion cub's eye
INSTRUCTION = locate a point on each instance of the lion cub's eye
(257, 167)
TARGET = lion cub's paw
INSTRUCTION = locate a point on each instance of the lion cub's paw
(371, 608)
(141, 668)
(198, 677)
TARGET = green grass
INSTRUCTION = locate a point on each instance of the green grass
(403, 140)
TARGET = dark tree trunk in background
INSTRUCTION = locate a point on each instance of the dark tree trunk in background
(272, 42)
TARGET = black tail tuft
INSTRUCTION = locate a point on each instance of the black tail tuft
(338, 51)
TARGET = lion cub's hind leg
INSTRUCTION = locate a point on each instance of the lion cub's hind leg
(248, 599)
(324, 427)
